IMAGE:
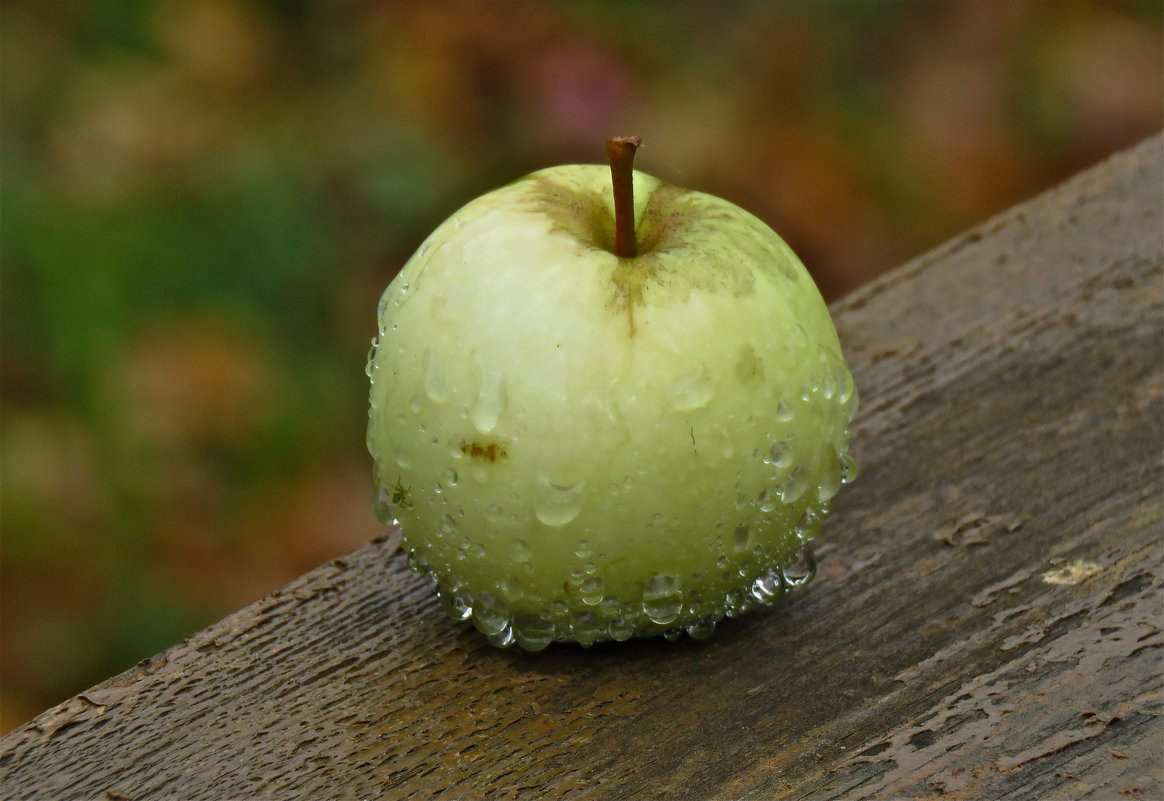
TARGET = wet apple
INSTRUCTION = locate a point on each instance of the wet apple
(604, 407)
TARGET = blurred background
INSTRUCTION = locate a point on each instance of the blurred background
(202, 201)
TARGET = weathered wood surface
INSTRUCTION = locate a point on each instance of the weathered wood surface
(986, 622)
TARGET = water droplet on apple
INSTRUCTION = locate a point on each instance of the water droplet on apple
(620, 629)
(490, 614)
(520, 550)
(370, 364)
(847, 391)
(454, 605)
(701, 629)
(830, 480)
(691, 391)
(434, 378)
(503, 638)
(781, 454)
(586, 627)
(849, 467)
(557, 504)
(794, 486)
(783, 411)
(456, 447)
(801, 568)
(403, 458)
(768, 588)
(533, 632)
(741, 537)
(828, 385)
(450, 477)
(662, 598)
(590, 591)
(808, 526)
(737, 601)
(494, 513)
(489, 405)
(385, 508)
(582, 549)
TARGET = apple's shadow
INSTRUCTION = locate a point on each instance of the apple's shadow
(562, 658)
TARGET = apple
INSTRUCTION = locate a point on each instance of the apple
(605, 407)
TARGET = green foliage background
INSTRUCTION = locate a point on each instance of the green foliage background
(202, 200)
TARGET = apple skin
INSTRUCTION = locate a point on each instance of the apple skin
(584, 447)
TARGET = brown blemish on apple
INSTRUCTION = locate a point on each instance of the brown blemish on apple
(573, 210)
(630, 279)
(489, 452)
(749, 366)
(667, 270)
(662, 272)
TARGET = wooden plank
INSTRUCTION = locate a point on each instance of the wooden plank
(986, 622)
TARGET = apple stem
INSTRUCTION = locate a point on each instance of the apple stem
(620, 150)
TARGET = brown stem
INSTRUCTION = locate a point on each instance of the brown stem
(620, 150)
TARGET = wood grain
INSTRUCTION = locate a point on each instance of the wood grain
(986, 622)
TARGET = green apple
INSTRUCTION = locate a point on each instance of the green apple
(605, 408)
